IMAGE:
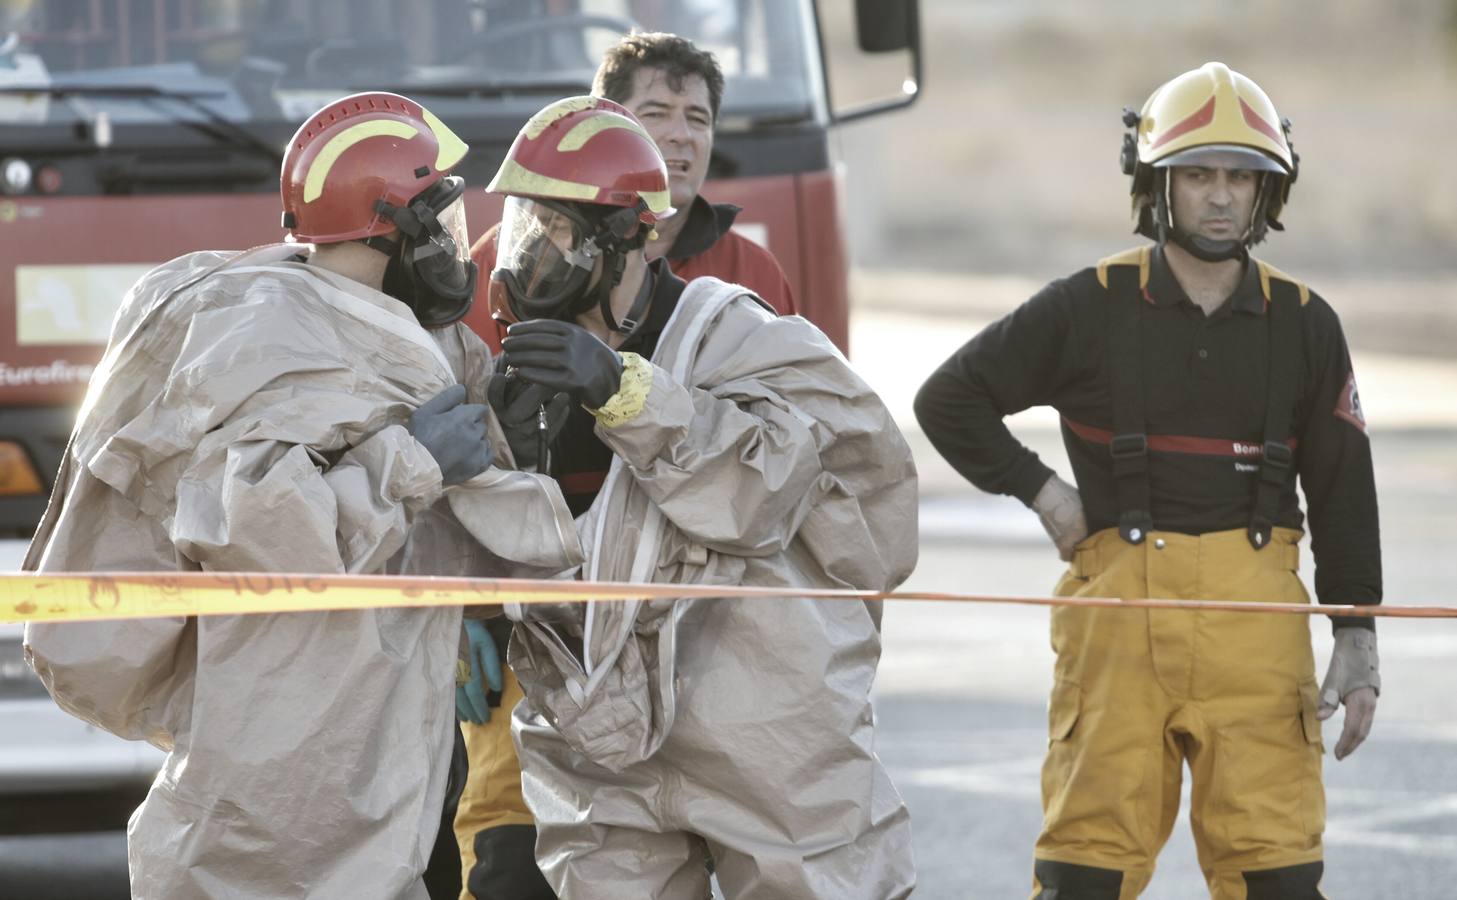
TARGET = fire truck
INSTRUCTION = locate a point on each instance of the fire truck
(133, 131)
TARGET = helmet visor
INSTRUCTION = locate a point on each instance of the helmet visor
(444, 276)
(453, 226)
(1222, 156)
(433, 271)
(542, 253)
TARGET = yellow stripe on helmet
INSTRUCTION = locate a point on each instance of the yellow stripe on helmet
(319, 168)
(513, 178)
(585, 130)
(657, 201)
(452, 148)
(539, 122)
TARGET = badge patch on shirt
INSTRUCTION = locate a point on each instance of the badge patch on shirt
(1348, 407)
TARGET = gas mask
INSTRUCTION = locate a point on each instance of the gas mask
(430, 269)
(547, 252)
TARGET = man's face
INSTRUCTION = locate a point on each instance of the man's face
(1214, 201)
(682, 126)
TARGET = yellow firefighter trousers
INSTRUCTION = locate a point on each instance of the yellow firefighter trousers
(492, 795)
(1137, 693)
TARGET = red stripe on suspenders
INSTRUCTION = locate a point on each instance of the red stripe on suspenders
(1177, 443)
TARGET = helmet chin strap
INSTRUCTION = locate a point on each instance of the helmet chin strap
(619, 234)
(636, 314)
(614, 264)
(1205, 249)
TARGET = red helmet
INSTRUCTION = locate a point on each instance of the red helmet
(585, 184)
(356, 152)
(587, 150)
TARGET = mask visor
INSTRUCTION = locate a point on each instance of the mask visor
(542, 256)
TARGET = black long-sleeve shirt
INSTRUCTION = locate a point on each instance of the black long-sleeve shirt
(1204, 377)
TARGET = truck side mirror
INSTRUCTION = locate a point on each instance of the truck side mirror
(872, 55)
(883, 26)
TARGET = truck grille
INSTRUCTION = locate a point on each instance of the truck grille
(17, 681)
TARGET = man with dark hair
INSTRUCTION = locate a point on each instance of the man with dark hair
(675, 58)
(674, 89)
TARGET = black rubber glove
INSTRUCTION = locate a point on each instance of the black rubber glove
(565, 357)
(518, 404)
(455, 434)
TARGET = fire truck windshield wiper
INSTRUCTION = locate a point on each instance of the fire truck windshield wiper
(213, 125)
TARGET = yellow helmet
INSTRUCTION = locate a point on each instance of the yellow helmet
(1208, 110)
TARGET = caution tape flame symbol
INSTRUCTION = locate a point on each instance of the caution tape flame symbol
(102, 590)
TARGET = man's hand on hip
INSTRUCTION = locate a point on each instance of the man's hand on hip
(1060, 508)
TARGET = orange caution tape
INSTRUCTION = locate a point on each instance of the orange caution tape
(86, 597)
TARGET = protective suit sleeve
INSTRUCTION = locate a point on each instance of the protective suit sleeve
(521, 520)
(736, 461)
(271, 506)
(736, 474)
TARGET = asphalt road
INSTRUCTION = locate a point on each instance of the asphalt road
(961, 694)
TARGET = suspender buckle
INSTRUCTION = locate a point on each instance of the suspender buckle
(1279, 454)
(1134, 526)
(1127, 446)
(1260, 531)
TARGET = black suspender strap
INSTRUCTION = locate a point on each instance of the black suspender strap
(1286, 357)
(1129, 446)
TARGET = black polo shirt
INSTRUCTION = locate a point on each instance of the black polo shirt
(1205, 377)
(579, 459)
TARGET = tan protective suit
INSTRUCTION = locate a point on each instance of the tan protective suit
(737, 729)
(248, 416)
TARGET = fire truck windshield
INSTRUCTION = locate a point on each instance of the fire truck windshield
(270, 63)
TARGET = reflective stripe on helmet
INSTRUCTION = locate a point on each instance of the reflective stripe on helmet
(538, 123)
(452, 148)
(319, 168)
(514, 178)
(585, 130)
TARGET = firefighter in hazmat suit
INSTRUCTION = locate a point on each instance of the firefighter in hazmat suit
(740, 449)
(295, 408)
